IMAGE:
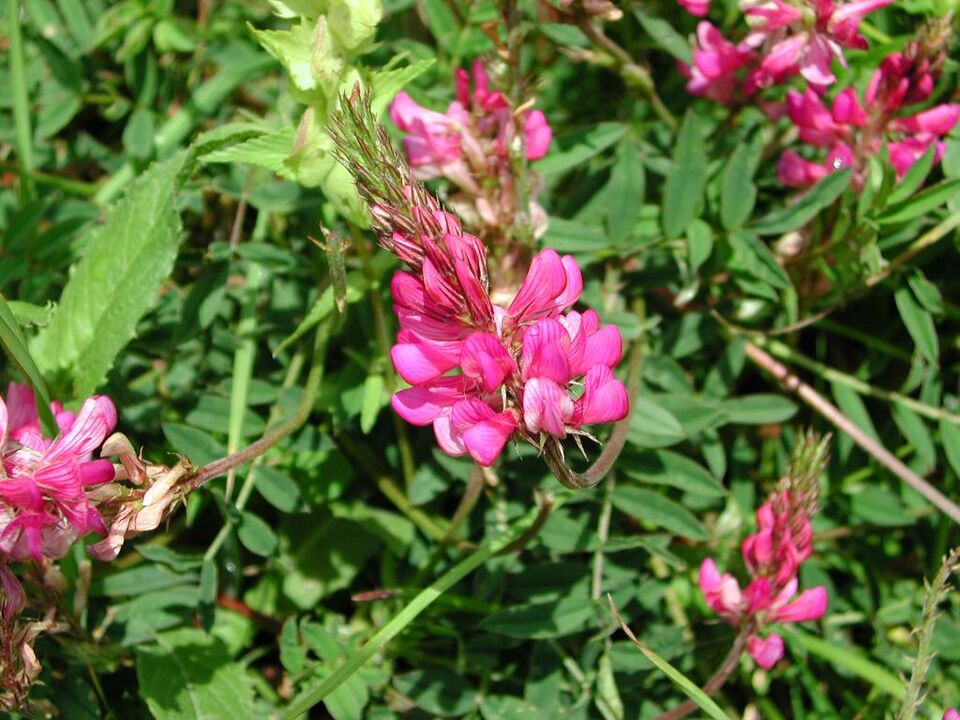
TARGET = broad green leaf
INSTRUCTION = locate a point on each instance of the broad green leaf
(699, 243)
(753, 256)
(442, 693)
(878, 506)
(664, 35)
(277, 488)
(116, 281)
(571, 151)
(664, 467)
(625, 191)
(15, 345)
(267, 150)
(919, 324)
(256, 535)
(652, 425)
(572, 236)
(658, 510)
(687, 177)
(794, 217)
(921, 203)
(199, 447)
(320, 311)
(737, 191)
(188, 675)
(569, 615)
(138, 134)
(760, 409)
(509, 707)
(374, 398)
(442, 22)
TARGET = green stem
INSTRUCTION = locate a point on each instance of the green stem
(865, 338)
(785, 352)
(932, 236)
(300, 706)
(21, 104)
(68, 185)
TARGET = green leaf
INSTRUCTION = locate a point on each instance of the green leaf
(188, 675)
(880, 507)
(852, 406)
(197, 445)
(658, 510)
(759, 409)
(625, 190)
(138, 134)
(573, 150)
(374, 398)
(751, 254)
(442, 693)
(320, 311)
(699, 243)
(566, 616)
(573, 236)
(116, 281)
(256, 535)
(652, 425)
(919, 324)
(916, 434)
(664, 35)
(268, 150)
(921, 203)
(277, 488)
(15, 346)
(687, 177)
(950, 439)
(795, 216)
(737, 190)
(387, 83)
(442, 22)
(914, 177)
(669, 468)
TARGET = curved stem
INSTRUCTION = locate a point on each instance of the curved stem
(272, 437)
(811, 397)
(553, 451)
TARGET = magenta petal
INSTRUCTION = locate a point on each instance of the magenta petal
(96, 472)
(546, 280)
(604, 397)
(810, 605)
(420, 406)
(546, 407)
(766, 651)
(97, 417)
(537, 135)
(483, 357)
(418, 363)
(604, 347)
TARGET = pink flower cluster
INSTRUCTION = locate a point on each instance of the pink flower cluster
(951, 714)
(850, 132)
(481, 373)
(43, 482)
(773, 556)
(786, 39)
(469, 145)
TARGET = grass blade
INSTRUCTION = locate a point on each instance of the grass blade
(21, 106)
(16, 346)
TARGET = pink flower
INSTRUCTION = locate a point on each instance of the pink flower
(475, 428)
(433, 140)
(484, 359)
(537, 134)
(551, 286)
(951, 714)
(906, 152)
(716, 63)
(938, 120)
(695, 7)
(900, 80)
(45, 481)
(766, 651)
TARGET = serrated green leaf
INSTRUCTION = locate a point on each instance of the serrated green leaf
(794, 217)
(387, 83)
(268, 150)
(188, 675)
(687, 177)
(658, 510)
(117, 279)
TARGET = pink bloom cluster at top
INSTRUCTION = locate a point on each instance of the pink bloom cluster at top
(786, 39)
(436, 143)
(850, 131)
(43, 482)
(469, 145)
(481, 373)
(773, 556)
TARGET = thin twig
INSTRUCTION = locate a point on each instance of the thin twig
(816, 401)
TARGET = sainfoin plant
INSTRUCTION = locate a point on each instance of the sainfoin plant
(479, 358)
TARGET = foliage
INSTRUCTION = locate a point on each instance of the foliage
(176, 233)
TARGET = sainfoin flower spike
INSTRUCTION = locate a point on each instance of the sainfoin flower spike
(773, 556)
(480, 372)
